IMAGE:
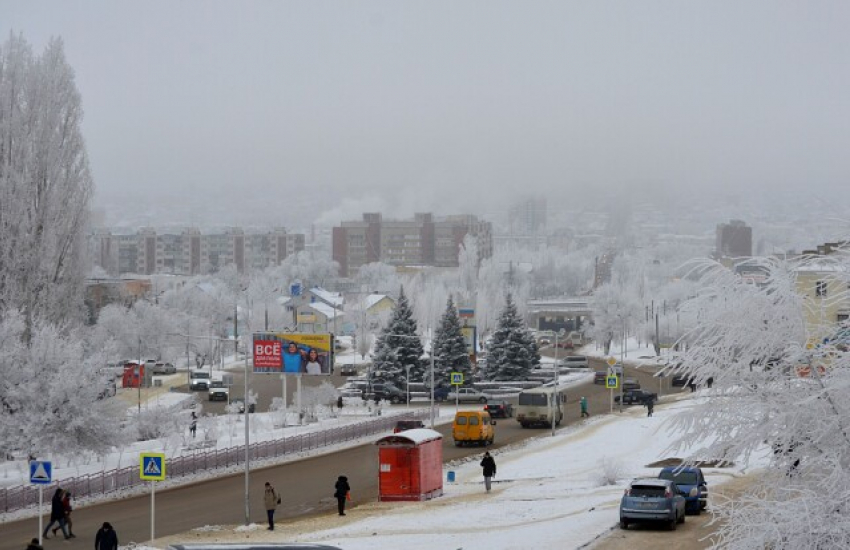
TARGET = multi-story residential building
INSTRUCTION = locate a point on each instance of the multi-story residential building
(191, 252)
(734, 240)
(825, 287)
(422, 241)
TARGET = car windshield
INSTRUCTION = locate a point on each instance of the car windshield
(686, 478)
(204, 375)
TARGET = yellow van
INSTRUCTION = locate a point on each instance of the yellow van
(473, 427)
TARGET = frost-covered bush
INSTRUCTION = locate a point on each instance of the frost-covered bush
(610, 471)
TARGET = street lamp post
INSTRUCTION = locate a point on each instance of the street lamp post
(407, 399)
(247, 448)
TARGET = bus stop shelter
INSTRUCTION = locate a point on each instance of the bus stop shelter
(411, 465)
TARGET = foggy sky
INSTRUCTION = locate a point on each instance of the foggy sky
(322, 110)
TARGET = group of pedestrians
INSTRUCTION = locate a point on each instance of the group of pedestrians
(272, 498)
(60, 514)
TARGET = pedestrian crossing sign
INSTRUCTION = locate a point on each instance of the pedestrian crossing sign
(611, 382)
(41, 472)
(457, 378)
(152, 466)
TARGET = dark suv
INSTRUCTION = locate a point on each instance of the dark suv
(403, 425)
(384, 392)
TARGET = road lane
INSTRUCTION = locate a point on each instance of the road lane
(306, 485)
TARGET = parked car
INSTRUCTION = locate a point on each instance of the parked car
(630, 384)
(692, 483)
(575, 362)
(441, 393)
(384, 392)
(163, 368)
(468, 395)
(599, 377)
(240, 402)
(652, 500)
(636, 397)
(218, 391)
(353, 389)
(403, 425)
(348, 370)
(500, 409)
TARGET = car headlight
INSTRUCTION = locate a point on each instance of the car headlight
(694, 492)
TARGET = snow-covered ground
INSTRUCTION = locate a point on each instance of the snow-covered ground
(549, 493)
(225, 431)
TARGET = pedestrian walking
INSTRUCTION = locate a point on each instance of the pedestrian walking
(649, 406)
(106, 538)
(342, 493)
(193, 427)
(583, 404)
(489, 466)
(66, 505)
(271, 499)
(57, 514)
(34, 545)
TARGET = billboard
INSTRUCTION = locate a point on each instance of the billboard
(293, 353)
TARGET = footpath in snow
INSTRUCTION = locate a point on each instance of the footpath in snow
(549, 493)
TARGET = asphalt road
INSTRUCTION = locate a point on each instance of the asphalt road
(306, 485)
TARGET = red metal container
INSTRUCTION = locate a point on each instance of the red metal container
(411, 465)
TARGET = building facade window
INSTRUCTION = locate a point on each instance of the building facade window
(820, 289)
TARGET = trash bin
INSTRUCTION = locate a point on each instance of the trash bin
(450, 476)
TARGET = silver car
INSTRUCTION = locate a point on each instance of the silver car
(652, 500)
(468, 395)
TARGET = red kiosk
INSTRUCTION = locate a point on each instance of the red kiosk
(411, 465)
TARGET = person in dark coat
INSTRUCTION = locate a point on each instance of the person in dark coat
(341, 493)
(106, 538)
(57, 514)
(34, 545)
(66, 504)
(489, 466)
(649, 406)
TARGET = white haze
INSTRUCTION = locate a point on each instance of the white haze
(291, 113)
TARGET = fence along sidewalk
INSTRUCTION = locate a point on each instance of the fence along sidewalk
(101, 483)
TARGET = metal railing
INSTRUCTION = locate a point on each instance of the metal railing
(23, 496)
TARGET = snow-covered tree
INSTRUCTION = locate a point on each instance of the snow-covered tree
(616, 310)
(450, 353)
(49, 391)
(376, 277)
(774, 392)
(45, 185)
(512, 352)
(398, 346)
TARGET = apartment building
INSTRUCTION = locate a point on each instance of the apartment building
(734, 240)
(191, 252)
(422, 241)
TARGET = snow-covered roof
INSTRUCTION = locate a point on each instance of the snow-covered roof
(331, 298)
(416, 435)
(326, 310)
(373, 299)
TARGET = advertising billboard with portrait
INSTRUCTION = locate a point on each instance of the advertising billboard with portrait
(293, 353)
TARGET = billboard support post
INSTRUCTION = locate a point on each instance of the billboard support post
(300, 412)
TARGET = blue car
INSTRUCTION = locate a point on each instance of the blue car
(652, 500)
(692, 483)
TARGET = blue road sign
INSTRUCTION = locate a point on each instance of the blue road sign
(152, 466)
(611, 382)
(41, 472)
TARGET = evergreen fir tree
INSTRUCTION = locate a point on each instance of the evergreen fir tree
(512, 352)
(450, 350)
(398, 346)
